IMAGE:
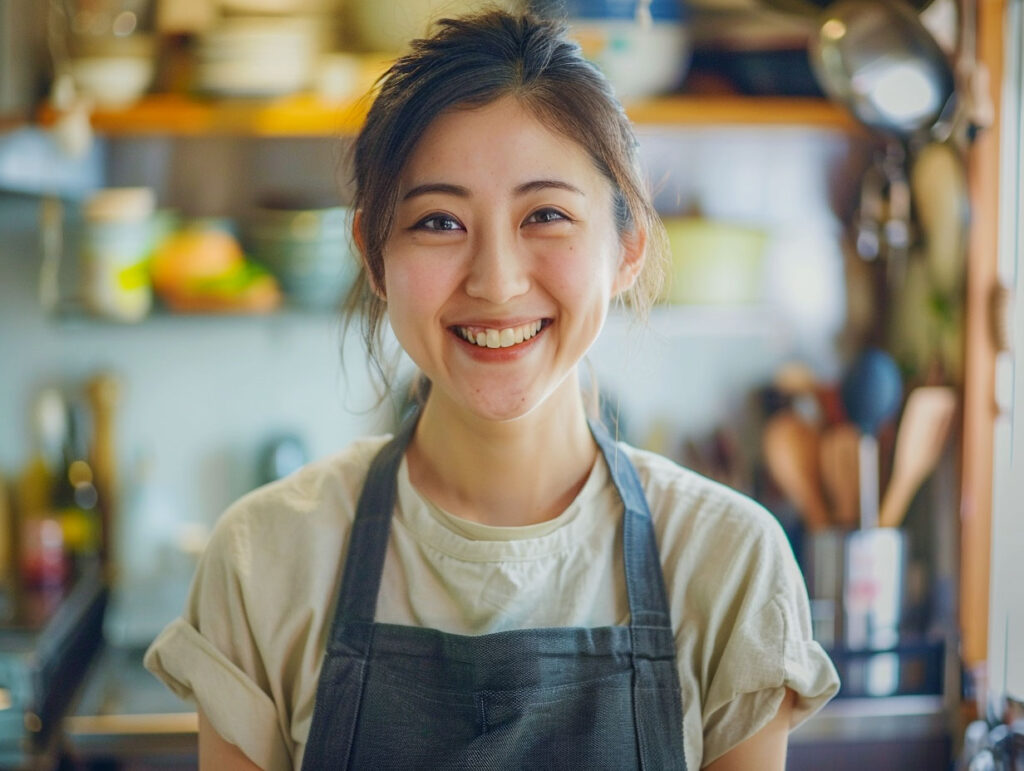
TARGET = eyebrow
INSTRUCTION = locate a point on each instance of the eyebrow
(462, 192)
(542, 184)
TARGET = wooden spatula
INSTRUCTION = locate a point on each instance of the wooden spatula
(791, 452)
(840, 471)
(924, 427)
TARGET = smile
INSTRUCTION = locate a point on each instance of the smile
(499, 338)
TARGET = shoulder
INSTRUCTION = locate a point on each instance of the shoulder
(725, 558)
(685, 504)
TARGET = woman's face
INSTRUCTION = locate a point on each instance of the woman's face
(502, 260)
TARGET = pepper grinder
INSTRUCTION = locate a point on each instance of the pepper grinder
(104, 392)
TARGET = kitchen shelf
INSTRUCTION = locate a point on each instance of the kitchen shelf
(180, 115)
(307, 115)
(686, 110)
(11, 122)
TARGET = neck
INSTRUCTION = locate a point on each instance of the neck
(504, 473)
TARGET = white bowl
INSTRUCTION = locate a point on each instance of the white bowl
(639, 60)
(113, 81)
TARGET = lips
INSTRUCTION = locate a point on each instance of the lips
(503, 337)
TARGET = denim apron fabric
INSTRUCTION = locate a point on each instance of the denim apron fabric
(399, 697)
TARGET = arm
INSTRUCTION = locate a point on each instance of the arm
(764, 750)
(216, 753)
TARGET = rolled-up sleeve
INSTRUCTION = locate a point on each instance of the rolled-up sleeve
(767, 649)
(210, 655)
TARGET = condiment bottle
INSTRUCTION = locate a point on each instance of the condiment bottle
(115, 246)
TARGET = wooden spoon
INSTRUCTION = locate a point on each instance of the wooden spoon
(791, 452)
(922, 434)
(840, 472)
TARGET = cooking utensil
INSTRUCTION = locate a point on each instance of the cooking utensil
(791, 452)
(840, 472)
(896, 226)
(872, 391)
(939, 184)
(878, 59)
(924, 427)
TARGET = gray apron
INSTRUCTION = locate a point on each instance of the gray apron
(399, 697)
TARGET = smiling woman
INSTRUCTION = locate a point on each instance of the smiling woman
(500, 584)
(492, 236)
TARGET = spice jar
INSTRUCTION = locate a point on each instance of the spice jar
(116, 241)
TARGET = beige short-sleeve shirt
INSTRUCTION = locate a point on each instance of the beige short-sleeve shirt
(249, 644)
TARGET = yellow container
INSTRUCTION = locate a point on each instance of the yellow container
(714, 263)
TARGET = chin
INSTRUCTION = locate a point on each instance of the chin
(504, 412)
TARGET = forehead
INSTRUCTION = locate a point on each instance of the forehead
(500, 141)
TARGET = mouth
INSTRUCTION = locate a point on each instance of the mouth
(505, 337)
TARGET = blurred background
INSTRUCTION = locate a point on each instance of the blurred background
(840, 183)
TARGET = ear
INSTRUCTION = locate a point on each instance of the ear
(631, 259)
(357, 239)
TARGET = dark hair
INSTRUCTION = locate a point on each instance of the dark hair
(470, 62)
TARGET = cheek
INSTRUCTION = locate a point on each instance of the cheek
(415, 286)
(582, 270)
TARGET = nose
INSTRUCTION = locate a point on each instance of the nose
(499, 271)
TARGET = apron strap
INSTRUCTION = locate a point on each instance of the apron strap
(364, 563)
(645, 584)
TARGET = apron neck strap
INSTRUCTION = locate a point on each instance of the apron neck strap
(364, 563)
(368, 540)
(645, 584)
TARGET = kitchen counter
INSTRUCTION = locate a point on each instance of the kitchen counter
(123, 712)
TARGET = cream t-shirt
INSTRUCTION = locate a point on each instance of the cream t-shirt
(249, 645)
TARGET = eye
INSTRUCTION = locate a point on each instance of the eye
(438, 223)
(545, 215)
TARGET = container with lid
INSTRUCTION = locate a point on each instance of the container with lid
(116, 239)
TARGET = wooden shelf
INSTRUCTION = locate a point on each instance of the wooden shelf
(306, 115)
(178, 115)
(10, 122)
(743, 111)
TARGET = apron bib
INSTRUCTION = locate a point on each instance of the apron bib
(400, 697)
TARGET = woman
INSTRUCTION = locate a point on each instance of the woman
(499, 585)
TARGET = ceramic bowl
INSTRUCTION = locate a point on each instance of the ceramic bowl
(308, 250)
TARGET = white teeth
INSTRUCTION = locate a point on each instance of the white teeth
(501, 338)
